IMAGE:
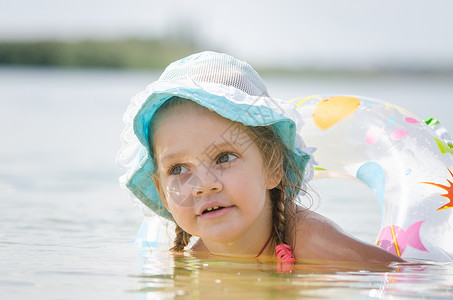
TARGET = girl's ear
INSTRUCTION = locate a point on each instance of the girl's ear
(158, 187)
(274, 177)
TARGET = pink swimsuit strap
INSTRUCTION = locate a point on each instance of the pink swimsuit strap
(265, 245)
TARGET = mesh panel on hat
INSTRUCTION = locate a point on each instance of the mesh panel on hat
(217, 68)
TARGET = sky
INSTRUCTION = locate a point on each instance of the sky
(322, 34)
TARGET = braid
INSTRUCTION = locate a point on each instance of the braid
(278, 215)
(182, 238)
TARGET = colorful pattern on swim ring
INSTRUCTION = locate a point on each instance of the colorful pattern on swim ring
(406, 162)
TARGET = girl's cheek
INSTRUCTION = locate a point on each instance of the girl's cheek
(179, 189)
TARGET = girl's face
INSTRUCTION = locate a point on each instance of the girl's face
(211, 176)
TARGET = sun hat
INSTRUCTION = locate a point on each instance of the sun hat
(221, 83)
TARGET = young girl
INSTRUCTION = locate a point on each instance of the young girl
(206, 147)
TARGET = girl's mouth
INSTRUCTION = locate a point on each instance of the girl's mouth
(212, 209)
(215, 212)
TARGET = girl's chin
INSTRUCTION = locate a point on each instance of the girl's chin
(221, 236)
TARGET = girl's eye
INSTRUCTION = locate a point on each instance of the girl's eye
(225, 157)
(178, 169)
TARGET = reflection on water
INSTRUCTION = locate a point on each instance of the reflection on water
(66, 228)
(166, 277)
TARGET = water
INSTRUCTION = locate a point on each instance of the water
(67, 229)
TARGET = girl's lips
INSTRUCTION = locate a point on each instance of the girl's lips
(216, 213)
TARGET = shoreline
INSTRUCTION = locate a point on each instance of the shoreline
(156, 54)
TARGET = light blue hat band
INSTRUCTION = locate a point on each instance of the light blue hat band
(246, 114)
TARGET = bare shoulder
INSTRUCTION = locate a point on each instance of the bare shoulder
(311, 222)
(317, 239)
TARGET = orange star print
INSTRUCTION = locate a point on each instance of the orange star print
(448, 195)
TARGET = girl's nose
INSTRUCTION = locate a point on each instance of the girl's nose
(208, 183)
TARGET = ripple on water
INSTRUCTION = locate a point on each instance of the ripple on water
(162, 275)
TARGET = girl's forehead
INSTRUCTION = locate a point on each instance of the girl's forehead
(199, 127)
(190, 113)
(179, 108)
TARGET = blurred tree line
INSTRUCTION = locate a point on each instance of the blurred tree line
(128, 53)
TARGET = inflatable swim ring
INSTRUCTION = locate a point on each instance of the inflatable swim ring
(405, 161)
